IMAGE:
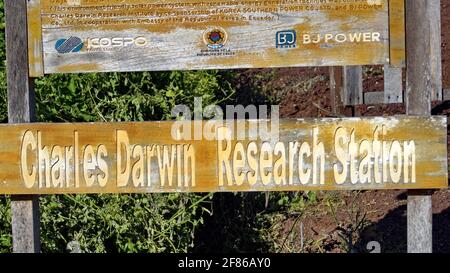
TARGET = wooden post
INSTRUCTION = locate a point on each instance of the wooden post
(335, 88)
(436, 60)
(393, 90)
(353, 87)
(446, 94)
(420, 81)
(21, 107)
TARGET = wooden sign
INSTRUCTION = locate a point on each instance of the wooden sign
(309, 154)
(143, 35)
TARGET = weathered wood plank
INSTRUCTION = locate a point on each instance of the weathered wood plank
(397, 32)
(20, 90)
(374, 97)
(436, 61)
(420, 221)
(336, 88)
(390, 152)
(419, 52)
(353, 85)
(421, 77)
(35, 54)
(25, 209)
(25, 223)
(150, 35)
(378, 96)
(446, 94)
(393, 84)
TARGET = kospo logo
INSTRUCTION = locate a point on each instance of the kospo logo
(116, 42)
(72, 44)
(75, 44)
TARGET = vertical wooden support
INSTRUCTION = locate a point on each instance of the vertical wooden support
(335, 88)
(436, 61)
(393, 88)
(446, 94)
(353, 88)
(21, 107)
(419, 88)
(420, 221)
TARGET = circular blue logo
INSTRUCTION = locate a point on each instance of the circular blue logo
(72, 44)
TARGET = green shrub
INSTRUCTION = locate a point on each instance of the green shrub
(112, 222)
(125, 96)
(121, 223)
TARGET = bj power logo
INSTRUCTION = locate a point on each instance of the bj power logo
(286, 39)
(75, 44)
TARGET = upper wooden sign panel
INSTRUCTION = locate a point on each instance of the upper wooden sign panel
(144, 35)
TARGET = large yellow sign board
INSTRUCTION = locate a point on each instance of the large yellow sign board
(308, 154)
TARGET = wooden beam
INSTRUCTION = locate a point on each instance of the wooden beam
(436, 61)
(335, 88)
(353, 89)
(397, 33)
(393, 87)
(420, 219)
(374, 97)
(377, 97)
(35, 50)
(25, 209)
(419, 50)
(25, 223)
(446, 94)
(419, 87)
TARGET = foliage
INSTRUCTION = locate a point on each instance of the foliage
(280, 224)
(253, 222)
(118, 223)
(125, 96)
(5, 225)
(355, 220)
(122, 223)
(111, 222)
(152, 222)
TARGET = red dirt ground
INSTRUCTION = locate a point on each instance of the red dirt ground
(387, 208)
